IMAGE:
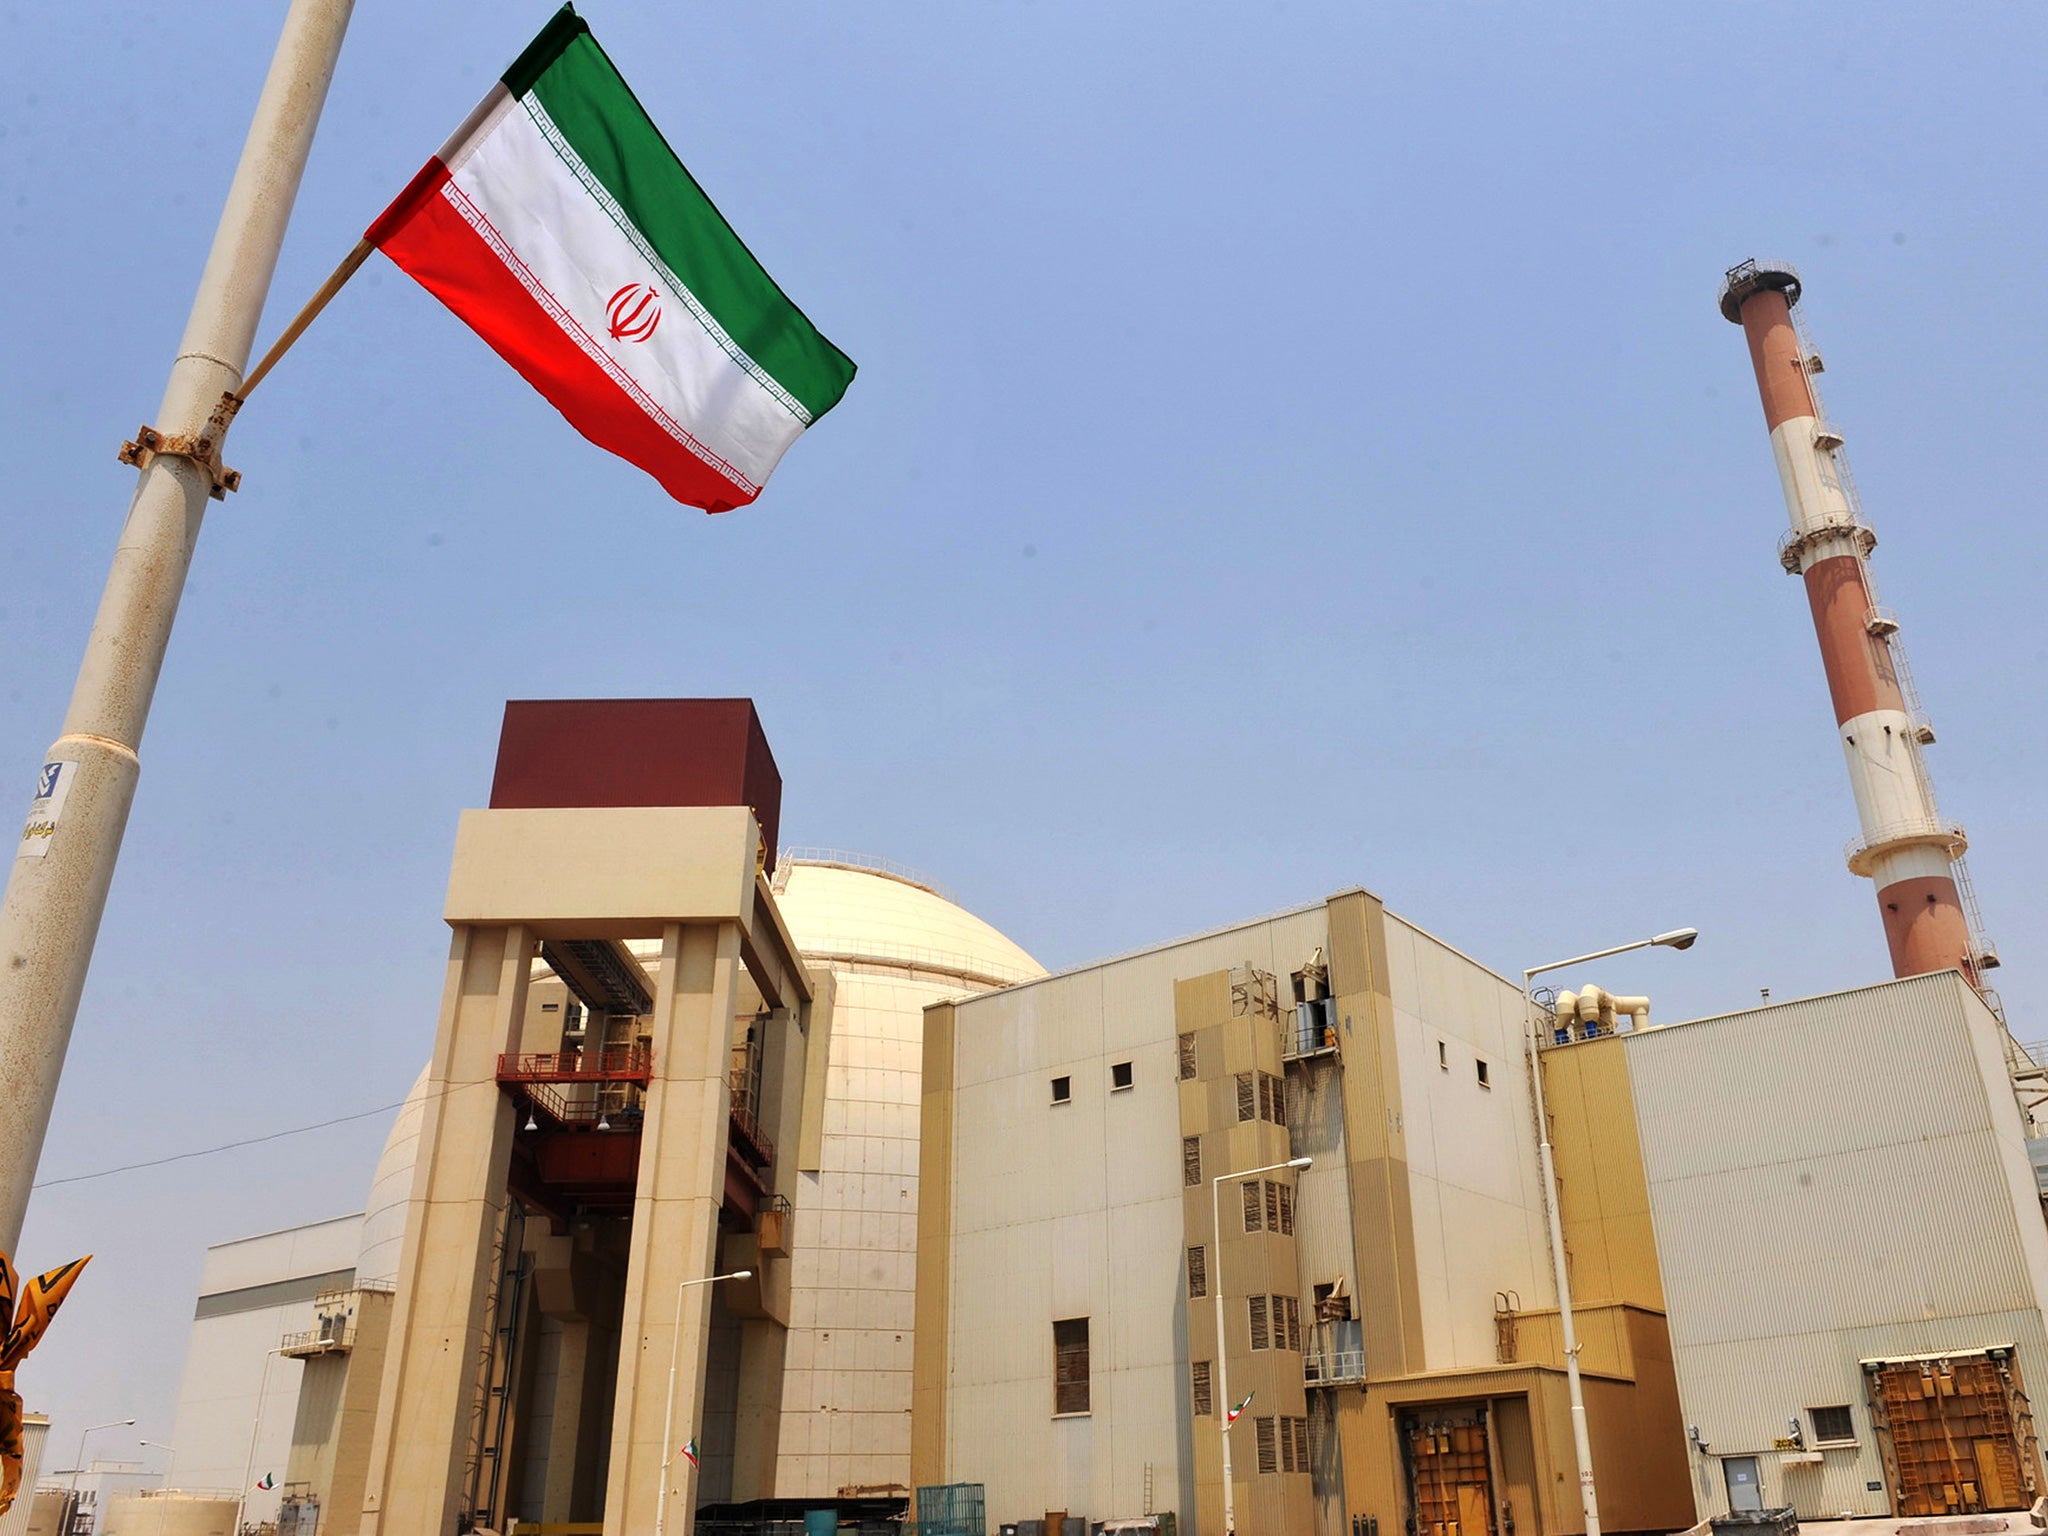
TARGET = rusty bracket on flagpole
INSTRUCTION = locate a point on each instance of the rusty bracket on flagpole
(203, 450)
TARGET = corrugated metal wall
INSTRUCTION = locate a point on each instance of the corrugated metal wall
(1832, 1180)
(33, 1436)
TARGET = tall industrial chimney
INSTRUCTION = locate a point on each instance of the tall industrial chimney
(1914, 857)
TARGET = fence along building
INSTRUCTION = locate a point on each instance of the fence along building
(1389, 1308)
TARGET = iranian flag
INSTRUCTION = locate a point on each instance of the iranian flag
(559, 225)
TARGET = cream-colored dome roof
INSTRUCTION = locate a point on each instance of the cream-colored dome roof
(384, 1215)
(838, 908)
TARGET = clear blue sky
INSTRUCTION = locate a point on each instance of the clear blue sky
(1295, 446)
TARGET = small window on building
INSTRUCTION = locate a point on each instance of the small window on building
(1198, 1272)
(1293, 1305)
(1269, 1446)
(1247, 1100)
(1191, 1160)
(1205, 1403)
(1070, 1365)
(1253, 1207)
(1062, 1090)
(1272, 1205)
(1830, 1424)
(1301, 1445)
(1187, 1057)
(1119, 1076)
(1485, 1078)
(1286, 1209)
(1261, 1337)
(1443, 1055)
(1286, 1443)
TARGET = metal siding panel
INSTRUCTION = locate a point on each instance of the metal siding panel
(1477, 1222)
(1322, 1193)
(1818, 1202)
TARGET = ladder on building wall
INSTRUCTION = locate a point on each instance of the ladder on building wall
(503, 1306)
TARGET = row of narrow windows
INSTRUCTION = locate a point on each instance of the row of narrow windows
(1275, 1324)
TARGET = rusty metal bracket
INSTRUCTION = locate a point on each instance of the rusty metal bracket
(203, 450)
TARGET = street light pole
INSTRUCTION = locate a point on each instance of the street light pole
(1222, 1350)
(169, 1467)
(325, 1346)
(1582, 1445)
(57, 885)
(255, 1424)
(78, 1461)
(668, 1419)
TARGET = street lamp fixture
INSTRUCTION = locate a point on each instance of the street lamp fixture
(1222, 1350)
(163, 1494)
(668, 1419)
(1677, 938)
(78, 1461)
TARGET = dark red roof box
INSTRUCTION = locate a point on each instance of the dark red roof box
(614, 752)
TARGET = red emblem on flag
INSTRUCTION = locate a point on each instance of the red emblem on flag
(633, 312)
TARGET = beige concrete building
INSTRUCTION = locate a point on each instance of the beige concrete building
(1389, 1308)
(1849, 1233)
(255, 1357)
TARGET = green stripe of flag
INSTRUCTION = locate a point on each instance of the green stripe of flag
(596, 111)
(563, 28)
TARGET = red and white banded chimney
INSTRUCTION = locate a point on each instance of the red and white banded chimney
(1914, 856)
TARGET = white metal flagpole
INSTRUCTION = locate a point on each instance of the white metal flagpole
(65, 863)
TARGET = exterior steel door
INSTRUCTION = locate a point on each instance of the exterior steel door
(1745, 1492)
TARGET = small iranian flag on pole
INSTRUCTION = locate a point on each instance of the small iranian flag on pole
(690, 1450)
(559, 225)
(1231, 1418)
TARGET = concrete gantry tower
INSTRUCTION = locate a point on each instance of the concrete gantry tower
(1914, 856)
(599, 1136)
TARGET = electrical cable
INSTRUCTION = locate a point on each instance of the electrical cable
(247, 1141)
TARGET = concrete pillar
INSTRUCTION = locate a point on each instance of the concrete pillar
(440, 1323)
(675, 1225)
(757, 1430)
(557, 1501)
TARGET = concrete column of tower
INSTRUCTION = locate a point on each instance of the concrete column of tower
(1905, 848)
(440, 1322)
(676, 1203)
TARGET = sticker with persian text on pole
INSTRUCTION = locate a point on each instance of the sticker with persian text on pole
(53, 783)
